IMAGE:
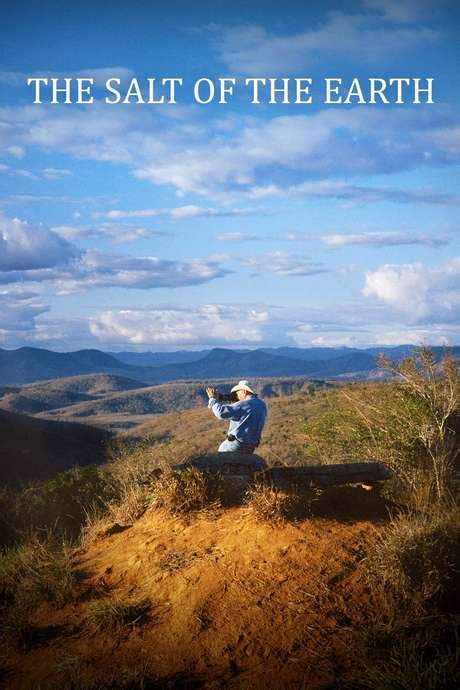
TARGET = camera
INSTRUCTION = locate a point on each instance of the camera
(227, 397)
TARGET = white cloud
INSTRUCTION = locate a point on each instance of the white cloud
(255, 157)
(97, 270)
(18, 315)
(404, 11)
(177, 213)
(355, 194)
(207, 324)
(382, 239)
(31, 253)
(16, 151)
(55, 173)
(421, 293)
(341, 40)
(416, 336)
(237, 237)
(24, 247)
(284, 264)
(116, 233)
(99, 74)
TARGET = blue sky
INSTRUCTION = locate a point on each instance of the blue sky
(140, 226)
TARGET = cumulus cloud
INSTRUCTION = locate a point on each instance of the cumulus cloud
(210, 323)
(284, 264)
(383, 239)
(18, 314)
(24, 247)
(419, 292)
(35, 254)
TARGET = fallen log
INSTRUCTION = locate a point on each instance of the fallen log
(319, 476)
(254, 467)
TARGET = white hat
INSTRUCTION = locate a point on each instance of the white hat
(243, 386)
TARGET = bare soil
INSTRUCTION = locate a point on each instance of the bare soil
(234, 603)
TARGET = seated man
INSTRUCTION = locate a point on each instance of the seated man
(247, 418)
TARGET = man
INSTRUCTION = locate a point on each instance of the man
(247, 418)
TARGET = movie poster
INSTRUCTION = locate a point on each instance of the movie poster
(204, 191)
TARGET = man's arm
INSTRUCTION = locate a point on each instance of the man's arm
(223, 410)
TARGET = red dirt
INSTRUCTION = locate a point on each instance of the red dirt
(236, 603)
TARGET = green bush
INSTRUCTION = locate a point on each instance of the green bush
(408, 423)
(63, 502)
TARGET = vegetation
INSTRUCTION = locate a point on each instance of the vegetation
(419, 557)
(402, 636)
(268, 504)
(187, 492)
(408, 423)
(117, 614)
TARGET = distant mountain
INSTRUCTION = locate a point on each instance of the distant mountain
(158, 359)
(28, 364)
(222, 363)
(38, 449)
(312, 354)
(31, 364)
(62, 392)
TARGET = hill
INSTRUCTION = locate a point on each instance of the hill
(27, 365)
(220, 601)
(37, 449)
(222, 363)
(62, 392)
(126, 409)
(158, 359)
(197, 431)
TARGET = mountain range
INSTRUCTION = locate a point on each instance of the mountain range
(28, 364)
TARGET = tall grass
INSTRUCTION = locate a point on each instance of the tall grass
(418, 555)
(409, 423)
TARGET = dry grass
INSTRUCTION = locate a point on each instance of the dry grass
(186, 492)
(112, 613)
(265, 503)
(422, 656)
(37, 571)
(419, 557)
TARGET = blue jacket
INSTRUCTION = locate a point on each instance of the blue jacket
(247, 417)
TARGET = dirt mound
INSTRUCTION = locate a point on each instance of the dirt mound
(223, 601)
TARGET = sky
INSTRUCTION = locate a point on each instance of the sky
(187, 225)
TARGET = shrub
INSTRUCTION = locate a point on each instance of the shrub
(419, 557)
(38, 569)
(408, 423)
(421, 657)
(268, 504)
(185, 492)
(61, 504)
